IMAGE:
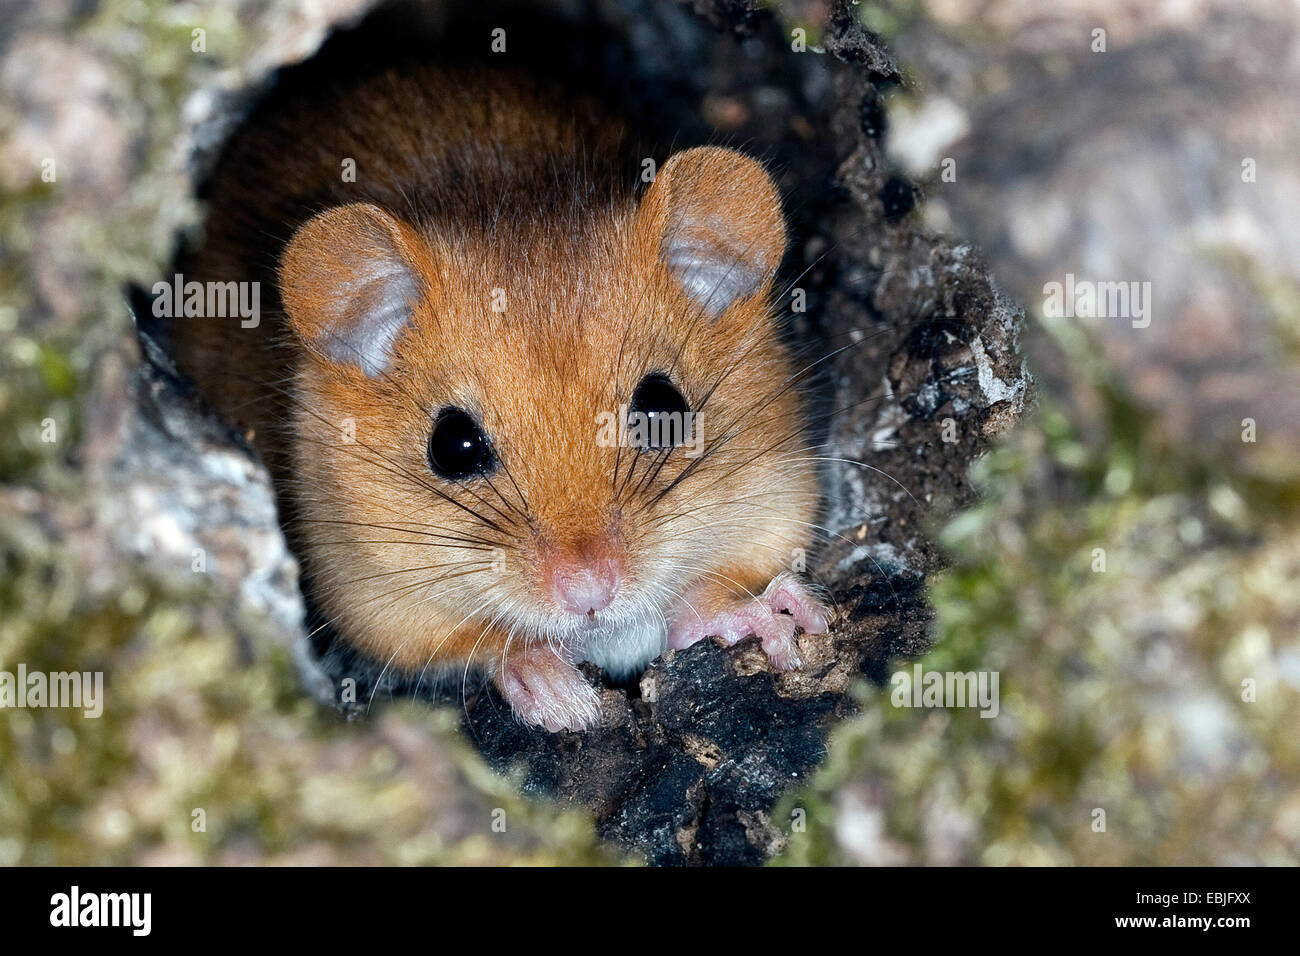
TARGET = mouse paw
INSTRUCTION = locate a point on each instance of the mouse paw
(786, 604)
(546, 690)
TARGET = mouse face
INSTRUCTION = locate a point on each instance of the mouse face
(555, 437)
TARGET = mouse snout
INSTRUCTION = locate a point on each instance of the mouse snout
(584, 587)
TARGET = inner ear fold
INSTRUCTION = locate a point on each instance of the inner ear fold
(349, 284)
(717, 216)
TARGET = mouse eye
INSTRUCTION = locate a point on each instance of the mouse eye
(458, 448)
(658, 413)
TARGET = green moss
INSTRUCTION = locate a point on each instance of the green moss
(1121, 689)
(888, 19)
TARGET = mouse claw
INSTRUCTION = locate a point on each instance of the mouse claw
(773, 617)
(789, 594)
(547, 691)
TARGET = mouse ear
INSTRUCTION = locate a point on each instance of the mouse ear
(717, 216)
(349, 283)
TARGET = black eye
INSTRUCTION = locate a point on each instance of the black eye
(458, 449)
(658, 415)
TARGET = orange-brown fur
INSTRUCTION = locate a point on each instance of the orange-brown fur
(495, 187)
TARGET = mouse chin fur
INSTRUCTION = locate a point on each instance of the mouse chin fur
(624, 649)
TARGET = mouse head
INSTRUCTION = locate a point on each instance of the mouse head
(557, 423)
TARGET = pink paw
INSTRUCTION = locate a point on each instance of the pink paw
(544, 689)
(762, 617)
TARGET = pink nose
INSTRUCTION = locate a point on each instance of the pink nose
(583, 589)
